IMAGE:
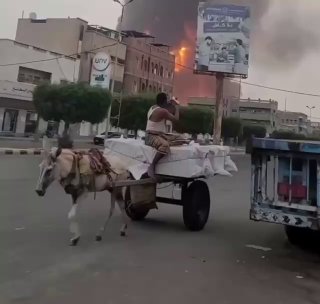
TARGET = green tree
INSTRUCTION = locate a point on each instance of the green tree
(256, 131)
(134, 110)
(231, 127)
(287, 135)
(71, 103)
(195, 120)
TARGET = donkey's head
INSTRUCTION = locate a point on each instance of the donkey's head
(49, 170)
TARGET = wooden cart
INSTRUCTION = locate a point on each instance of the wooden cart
(195, 199)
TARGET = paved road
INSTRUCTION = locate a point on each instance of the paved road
(159, 262)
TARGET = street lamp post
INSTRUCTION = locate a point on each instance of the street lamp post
(310, 109)
(123, 6)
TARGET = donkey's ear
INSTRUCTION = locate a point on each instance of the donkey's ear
(55, 153)
(58, 152)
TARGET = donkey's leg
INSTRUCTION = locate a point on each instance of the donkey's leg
(121, 204)
(72, 216)
(103, 228)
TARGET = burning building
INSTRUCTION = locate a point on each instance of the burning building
(281, 38)
(174, 22)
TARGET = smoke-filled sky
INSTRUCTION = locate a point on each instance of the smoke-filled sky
(284, 48)
(285, 42)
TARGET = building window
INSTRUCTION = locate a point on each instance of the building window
(117, 86)
(142, 61)
(146, 65)
(33, 76)
(156, 70)
(152, 67)
(10, 120)
(161, 71)
(31, 123)
(150, 88)
(143, 87)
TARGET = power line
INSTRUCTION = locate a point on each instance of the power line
(170, 61)
(280, 90)
(58, 57)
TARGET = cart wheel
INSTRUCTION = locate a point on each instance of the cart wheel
(302, 236)
(134, 214)
(196, 205)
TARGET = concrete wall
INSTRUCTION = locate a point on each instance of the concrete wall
(18, 95)
(142, 61)
(12, 52)
(16, 90)
(57, 35)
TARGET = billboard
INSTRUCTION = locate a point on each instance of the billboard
(223, 38)
(101, 70)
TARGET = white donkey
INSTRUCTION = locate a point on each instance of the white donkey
(60, 164)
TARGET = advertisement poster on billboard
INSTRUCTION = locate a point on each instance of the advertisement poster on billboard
(101, 70)
(223, 39)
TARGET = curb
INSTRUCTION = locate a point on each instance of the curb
(9, 151)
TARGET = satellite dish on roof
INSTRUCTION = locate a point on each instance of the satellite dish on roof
(33, 15)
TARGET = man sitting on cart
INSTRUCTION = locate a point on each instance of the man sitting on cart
(156, 135)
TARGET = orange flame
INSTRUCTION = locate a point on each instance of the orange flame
(181, 58)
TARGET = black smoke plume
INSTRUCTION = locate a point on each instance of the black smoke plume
(278, 40)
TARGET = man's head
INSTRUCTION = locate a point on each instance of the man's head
(162, 100)
(208, 40)
(239, 42)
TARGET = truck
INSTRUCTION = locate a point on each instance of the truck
(285, 186)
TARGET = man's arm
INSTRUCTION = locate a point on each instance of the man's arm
(171, 117)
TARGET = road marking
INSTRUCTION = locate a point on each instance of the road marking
(259, 248)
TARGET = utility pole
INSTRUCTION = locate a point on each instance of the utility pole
(218, 108)
(310, 109)
(123, 5)
(285, 105)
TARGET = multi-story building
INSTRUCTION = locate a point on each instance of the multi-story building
(149, 65)
(210, 102)
(75, 37)
(23, 66)
(315, 128)
(293, 121)
(142, 65)
(259, 112)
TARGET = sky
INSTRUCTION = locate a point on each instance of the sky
(297, 64)
(302, 16)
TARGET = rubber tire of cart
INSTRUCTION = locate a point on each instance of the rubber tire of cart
(196, 205)
(134, 214)
(302, 236)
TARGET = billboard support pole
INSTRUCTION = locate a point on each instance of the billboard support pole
(218, 109)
